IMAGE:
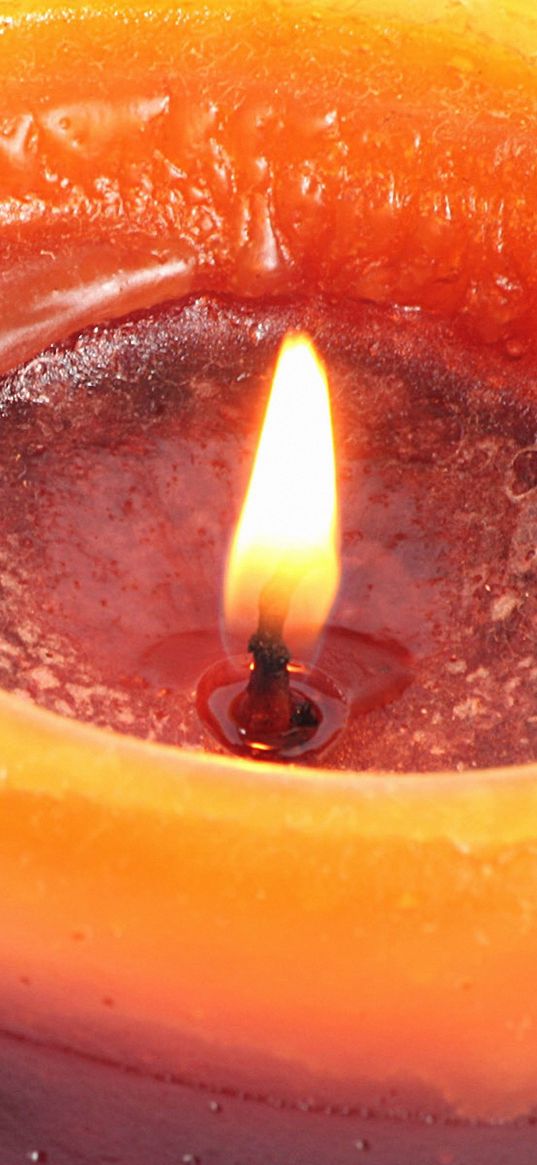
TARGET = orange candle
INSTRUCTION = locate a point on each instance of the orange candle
(254, 942)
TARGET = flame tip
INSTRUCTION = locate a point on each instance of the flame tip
(288, 524)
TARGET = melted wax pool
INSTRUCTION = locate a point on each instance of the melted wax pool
(125, 456)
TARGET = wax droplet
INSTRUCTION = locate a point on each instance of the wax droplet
(190, 1159)
(362, 1145)
(38, 1155)
(214, 1106)
(306, 1105)
(515, 349)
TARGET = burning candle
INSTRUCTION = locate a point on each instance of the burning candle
(283, 576)
(207, 957)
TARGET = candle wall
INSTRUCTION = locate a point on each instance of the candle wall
(365, 940)
(345, 934)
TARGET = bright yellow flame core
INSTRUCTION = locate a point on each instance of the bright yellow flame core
(288, 527)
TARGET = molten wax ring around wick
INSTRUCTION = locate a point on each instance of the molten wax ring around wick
(270, 714)
(231, 702)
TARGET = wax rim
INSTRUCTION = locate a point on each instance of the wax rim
(500, 21)
(63, 758)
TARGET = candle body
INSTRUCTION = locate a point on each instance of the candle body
(268, 928)
(370, 941)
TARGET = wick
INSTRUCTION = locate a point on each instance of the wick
(269, 710)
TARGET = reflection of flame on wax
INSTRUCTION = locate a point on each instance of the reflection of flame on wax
(284, 552)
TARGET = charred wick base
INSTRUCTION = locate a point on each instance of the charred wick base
(272, 708)
(270, 717)
(269, 714)
(124, 457)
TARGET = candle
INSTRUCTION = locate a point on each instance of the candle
(291, 963)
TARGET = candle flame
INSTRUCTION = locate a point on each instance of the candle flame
(284, 563)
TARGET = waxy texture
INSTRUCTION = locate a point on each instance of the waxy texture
(260, 150)
(368, 939)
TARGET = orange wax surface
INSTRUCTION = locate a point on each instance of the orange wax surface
(301, 933)
(387, 153)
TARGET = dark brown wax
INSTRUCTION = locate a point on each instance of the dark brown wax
(125, 456)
